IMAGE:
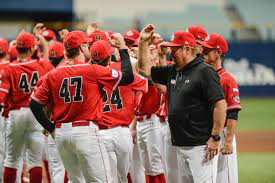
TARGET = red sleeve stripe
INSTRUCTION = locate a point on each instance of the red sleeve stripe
(119, 79)
(4, 90)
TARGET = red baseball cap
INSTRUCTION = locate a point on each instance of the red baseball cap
(90, 41)
(198, 32)
(181, 38)
(49, 34)
(73, 40)
(110, 33)
(131, 35)
(13, 53)
(25, 40)
(56, 50)
(136, 43)
(215, 41)
(100, 50)
(82, 33)
(98, 35)
(4, 45)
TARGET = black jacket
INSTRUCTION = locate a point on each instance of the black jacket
(192, 92)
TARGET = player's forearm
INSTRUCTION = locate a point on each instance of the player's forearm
(162, 60)
(144, 65)
(231, 125)
(134, 123)
(126, 68)
(219, 117)
(40, 115)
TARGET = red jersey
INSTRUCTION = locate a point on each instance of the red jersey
(148, 103)
(74, 91)
(4, 63)
(231, 90)
(119, 104)
(18, 80)
(162, 111)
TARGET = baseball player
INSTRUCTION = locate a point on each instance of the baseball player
(199, 34)
(118, 113)
(50, 36)
(4, 46)
(130, 37)
(215, 47)
(73, 86)
(13, 54)
(169, 151)
(149, 139)
(56, 167)
(17, 83)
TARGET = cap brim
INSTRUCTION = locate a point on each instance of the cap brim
(171, 45)
(205, 44)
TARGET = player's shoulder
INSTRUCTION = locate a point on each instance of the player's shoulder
(226, 76)
(116, 65)
(24, 62)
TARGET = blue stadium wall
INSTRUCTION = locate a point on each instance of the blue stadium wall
(253, 66)
(36, 10)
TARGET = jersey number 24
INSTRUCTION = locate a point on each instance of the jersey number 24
(115, 99)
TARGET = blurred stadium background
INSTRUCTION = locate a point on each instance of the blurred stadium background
(248, 25)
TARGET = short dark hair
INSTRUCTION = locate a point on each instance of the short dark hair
(56, 61)
(103, 62)
(22, 50)
(73, 52)
(3, 55)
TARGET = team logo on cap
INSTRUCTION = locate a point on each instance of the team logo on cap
(45, 33)
(52, 53)
(172, 37)
(95, 54)
(186, 42)
(218, 46)
(97, 37)
(19, 43)
(207, 38)
(129, 33)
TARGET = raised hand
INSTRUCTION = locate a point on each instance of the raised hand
(147, 33)
(117, 41)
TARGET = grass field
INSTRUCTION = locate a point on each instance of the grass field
(257, 115)
(256, 168)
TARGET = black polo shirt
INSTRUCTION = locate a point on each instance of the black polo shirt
(192, 92)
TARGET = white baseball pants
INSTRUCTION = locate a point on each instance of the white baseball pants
(193, 167)
(170, 155)
(83, 153)
(227, 164)
(56, 166)
(119, 145)
(150, 146)
(22, 130)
